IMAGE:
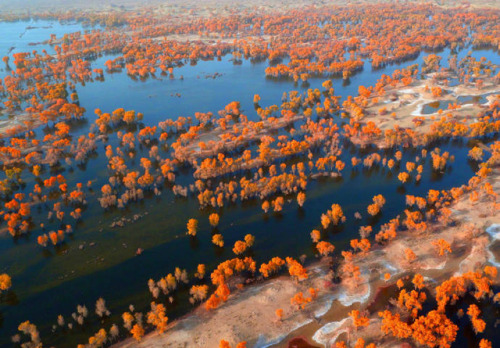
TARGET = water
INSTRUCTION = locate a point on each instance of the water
(52, 281)
(24, 36)
(444, 105)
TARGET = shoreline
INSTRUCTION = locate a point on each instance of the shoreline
(325, 319)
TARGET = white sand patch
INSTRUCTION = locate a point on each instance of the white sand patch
(323, 309)
(492, 259)
(263, 342)
(392, 269)
(419, 109)
(438, 266)
(329, 332)
(494, 231)
(347, 299)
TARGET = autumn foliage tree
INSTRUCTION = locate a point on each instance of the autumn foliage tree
(192, 227)
(325, 248)
(5, 282)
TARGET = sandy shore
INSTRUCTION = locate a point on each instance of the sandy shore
(472, 238)
(13, 124)
(404, 105)
(249, 314)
